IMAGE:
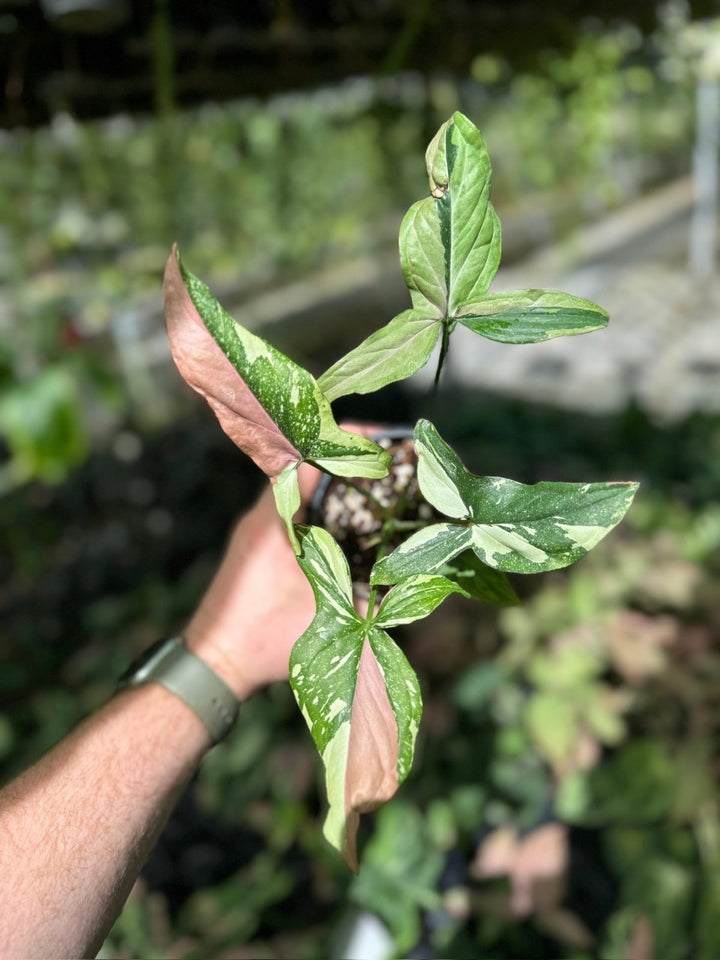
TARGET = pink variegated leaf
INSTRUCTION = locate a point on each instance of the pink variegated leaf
(357, 692)
(271, 407)
(202, 362)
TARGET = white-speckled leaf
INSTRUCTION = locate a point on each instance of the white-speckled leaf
(272, 408)
(529, 316)
(510, 526)
(414, 599)
(426, 551)
(357, 692)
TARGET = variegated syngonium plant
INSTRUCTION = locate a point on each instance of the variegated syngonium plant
(357, 691)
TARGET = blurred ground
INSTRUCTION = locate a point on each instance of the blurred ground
(661, 351)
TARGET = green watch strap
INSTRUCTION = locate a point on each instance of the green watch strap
(173, 666)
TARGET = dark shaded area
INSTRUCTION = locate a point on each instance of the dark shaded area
(95, 57)
(115, 529)
(531, 442)
(196, 851)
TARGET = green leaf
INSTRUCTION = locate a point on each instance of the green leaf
(426, 551)
(269, 406)
(286, 491)
(480, 581)
(529, 316)
(414, 599)
(42, 422)
(553, 723)
(636, 784)
(476, 686)
(357, 692)
(422, 258)
(395, 352)
(400, 874)
(602, 717)
(566, 669)
(450, 246)
(510, 526)
(460, 172)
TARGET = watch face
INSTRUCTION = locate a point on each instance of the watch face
(139, 669)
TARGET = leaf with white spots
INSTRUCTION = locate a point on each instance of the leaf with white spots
(357, 692)
(509, 526)
(414, 599)
(269, 406)
(440, 476)
(426, 551)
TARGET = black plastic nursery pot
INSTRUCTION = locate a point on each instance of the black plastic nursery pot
(354, 512)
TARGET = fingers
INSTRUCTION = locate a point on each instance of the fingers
(308, 479)
(365, 429)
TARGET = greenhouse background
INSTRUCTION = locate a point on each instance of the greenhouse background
(564, 800)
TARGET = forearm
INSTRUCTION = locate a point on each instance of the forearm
(77, 827)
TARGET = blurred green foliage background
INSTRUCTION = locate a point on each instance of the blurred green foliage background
(564, 800)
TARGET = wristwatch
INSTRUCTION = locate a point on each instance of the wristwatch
(173, 666)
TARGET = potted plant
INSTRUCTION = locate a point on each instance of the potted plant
(355, 688)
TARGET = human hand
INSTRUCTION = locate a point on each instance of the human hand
(259, 601)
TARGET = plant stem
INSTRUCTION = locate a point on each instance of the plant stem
(411, 524)
(372, 600)
(443, 353)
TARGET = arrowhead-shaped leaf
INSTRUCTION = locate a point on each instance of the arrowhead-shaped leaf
(269, 406)
(357, 692)
(528, 316)
(208, 349)
(450, 246)
(509, 526)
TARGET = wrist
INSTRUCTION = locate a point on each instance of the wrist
(171, 664)
(209, 648)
